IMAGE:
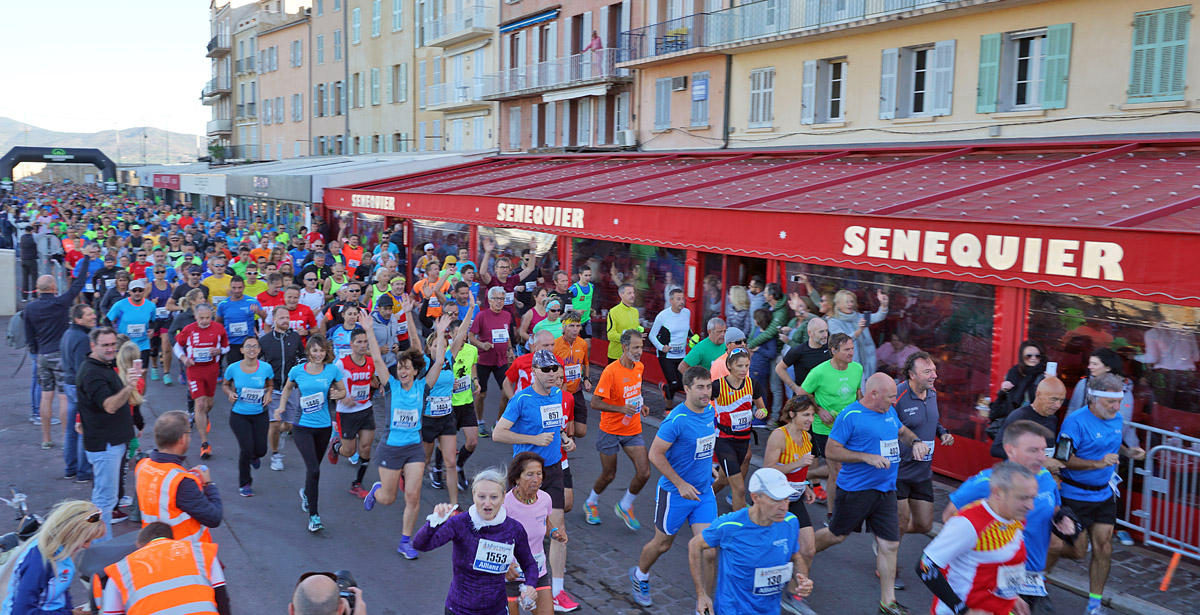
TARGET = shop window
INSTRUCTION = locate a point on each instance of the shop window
(1156, 342)
(513, 243)
(951, 320)
(651, 270)
(446, 237)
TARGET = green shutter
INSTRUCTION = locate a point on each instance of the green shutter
(1172, 55)
(989, 73)
(1058, 65)
(1156, 71)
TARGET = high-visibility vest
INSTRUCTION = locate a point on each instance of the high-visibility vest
(166, 577)
(157, 484)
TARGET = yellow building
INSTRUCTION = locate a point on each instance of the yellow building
(329, 121)
(284, 85)
(379, 44)
(793, 73)
(455, 48)
(217, 92)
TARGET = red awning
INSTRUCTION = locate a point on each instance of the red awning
(1117, 218)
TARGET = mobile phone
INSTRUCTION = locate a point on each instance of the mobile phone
(137, 364)
(1064, 449)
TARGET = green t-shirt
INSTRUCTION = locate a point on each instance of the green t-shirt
(239, 268)
(832, 389)
(555, 327)
(467, 356)
(704, 353)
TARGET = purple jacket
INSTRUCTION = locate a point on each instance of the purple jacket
(473, 592)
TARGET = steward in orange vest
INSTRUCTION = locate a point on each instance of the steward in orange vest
(169, 492)
(165, 577)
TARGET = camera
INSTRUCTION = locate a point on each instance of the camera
(345, 581)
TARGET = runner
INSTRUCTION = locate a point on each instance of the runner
(490, 333)
(789, 450)
(582, 293)
(401, 456)
(355, 416)
(159, 293)
(272, 297)
(833, 385)
(669, 334)
(553, 320)
(737, 401)
(618, 398)
(976, 563)
(134, 317)
(705, 351)
(504, 278)
(793, 369)
(248, 384)
(300, 317)
(218, 281)
(683, 452)
(310, 294)
(281, 349)
(520, 373)
(339, 334)
(190, 282)
(238, 314)
(528, 505)
(462, 399)
(758, 555)
(439, 423)
(572, 352)
(199, 347)
(313, 380)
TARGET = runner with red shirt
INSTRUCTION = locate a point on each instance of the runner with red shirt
(200, 346)
(300, 316)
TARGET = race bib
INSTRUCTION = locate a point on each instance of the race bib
(529, 286)
(88, 288)
(218, 299)
(552, 416)
(740, 420)
(312, 403)
(109, 284)
(238, 328)
(406, 418)
(433, 302)
(353, 264)
(636, 402)
(799, 487)
(1050, 452)
(675, 349)
(252, 395)
(439, 406)
(1114, 483)
(705, 445)
(1009, 580)
(509, 298)
(202, 355)
(360, 392)
(461, 385)
(162, 313)
(1034, 585)
(928, 456)
(770, 581)
(492, 556)
(573, 372)
(890, 449)
(403, 328)
(499, 336)
(138, 330)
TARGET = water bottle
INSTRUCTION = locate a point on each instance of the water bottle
(528, 599)
(636, 402)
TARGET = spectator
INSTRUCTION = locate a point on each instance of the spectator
(846, 319)
(29, 253)
(317, 593)
(737, 310)
(893, 354)
(1020, 384)
(74, 349)
(165, 481)
(1044, 411)
(37, 587)
(1102, 361)
(45, 323)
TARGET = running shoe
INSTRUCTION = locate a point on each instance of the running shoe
(119, 516)
(820, 494)
(314, 523)
(369, 498)
(167, 380)
(55, 421)
(205, 450)
(462, 481)
(406, 548)
(356, 489)
(303, 500)
(334, 444)
(631, 522)
(277, 461)
(892, 608)
(640, 589)
(796, 606)
(37, 420)
(245, 491)
(593, 513)
(437, 478)
(47, 446)
(256, 463)
(483, 430)
(898, 584)
(125, 501)
(1125, 538)
(563, 603)
(154, 373)
(666, 396)
(354, 459)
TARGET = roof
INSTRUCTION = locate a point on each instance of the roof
(1146, 185)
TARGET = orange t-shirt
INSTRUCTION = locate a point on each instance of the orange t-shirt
(353, 257)
(719, 369)
(573, 357)
(435, 306)
(258, 253)
(620, 386)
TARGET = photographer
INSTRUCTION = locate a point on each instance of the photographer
(317, 593)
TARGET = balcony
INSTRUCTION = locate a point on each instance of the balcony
(246, 110)
(218, 46)
(244, 65)
(455, 96)
(587, 68)
(216, 87)
(754, 22)
(217, 127)
(476, 21)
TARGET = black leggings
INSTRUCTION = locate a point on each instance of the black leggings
(251, 433)
(155, 346)
(670, 370)
(311, 442)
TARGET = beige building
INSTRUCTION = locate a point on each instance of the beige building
(217, 91)
(822, 72)
(327, 74)
(284, 85)
(247, 59)
(455, 47)
(379, 44)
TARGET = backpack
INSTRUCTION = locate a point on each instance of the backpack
(16, 331)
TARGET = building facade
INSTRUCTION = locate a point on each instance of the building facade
(327, 74)
(455, 49)
(284, 85)
(380, 51)
(216, 93)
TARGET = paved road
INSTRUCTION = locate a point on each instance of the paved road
(265, 545)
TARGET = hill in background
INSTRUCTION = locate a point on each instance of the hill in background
(183, 147)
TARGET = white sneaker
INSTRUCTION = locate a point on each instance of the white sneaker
(277, 461)
(125, 501)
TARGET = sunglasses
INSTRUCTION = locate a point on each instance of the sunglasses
(555, 311)
(310, 279)
(737, 351)
(1032, 355)
(95, 518)
(137, 290)
(549, 370)
(354, 290)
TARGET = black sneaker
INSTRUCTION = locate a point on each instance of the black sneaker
(462, 481)
(437, 478)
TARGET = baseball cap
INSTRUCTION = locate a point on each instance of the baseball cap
(135, 228)
(138, 283)
(544, 358)
(384, 301)
(734, 334)
(195, 269)
(429, 246)
(772, 483)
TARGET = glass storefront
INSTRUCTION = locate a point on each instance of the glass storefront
(283, 214)
(446, 238)
(513, 243)
(951, 320)
(651, 270)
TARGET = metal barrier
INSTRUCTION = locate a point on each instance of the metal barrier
(1167, 512)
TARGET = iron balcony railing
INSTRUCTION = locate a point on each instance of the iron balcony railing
(245, 65)
(754, 20)
(453, 93)
(579, 68)
(218, 45)
(478, 15)
(215, 86)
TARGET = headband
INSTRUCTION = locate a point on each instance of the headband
(1106, 394)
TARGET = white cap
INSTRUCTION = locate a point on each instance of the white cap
(138, 283)
(429, 246)
(772, 483)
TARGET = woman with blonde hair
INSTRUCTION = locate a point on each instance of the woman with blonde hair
(846, 318)
(43, 570)
(737, 311)
(126, 355)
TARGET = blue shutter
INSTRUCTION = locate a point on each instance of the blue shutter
(989, 73)
(1058, 65)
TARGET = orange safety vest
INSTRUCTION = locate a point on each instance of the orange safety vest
(157, 484)
(166, 577)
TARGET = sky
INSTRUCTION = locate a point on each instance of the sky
(87, 66)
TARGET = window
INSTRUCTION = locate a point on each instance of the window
(420, 136)
(320, 10)
(374, 86)
(400, 79)
(1160, 40)
(275, 57)
(320, 49)
(917, 81)
(421, 86)
(339, 98)
(699, 99)
(361, 80)
(355, 25)
(662, 103)
(762, 98)
(297, 55)
(337, 5)
(297, 108)
(376, 9)
(1024, 70)
(1028, 55)
(823, 91)
(479, 133)
(318, 100)
(279, 110)
(337, 45)
(397, 15)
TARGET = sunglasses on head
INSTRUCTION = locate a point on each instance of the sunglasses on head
(549, 370)
(95, 518)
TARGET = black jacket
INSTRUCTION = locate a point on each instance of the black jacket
(281, 352)
(28, 246)
(47, 318)
(96, 381)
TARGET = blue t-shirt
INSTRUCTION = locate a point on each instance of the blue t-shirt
(314, 393)
(134, 320)
(1037, 522)
(692, 438)
(238, 317)
(405, 416)
(464, 312)
(251, 388)
(339, 337)
(437, 402)
(172, 276)
(532, 414)
(745, 549)
(298, 257)
(1093, 438)
(94, 265)
(862, 430)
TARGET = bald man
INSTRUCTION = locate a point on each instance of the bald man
(1044, 411)
(866, 439)
(46, 320)
(318, 595)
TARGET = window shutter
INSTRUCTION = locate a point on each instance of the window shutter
(316, 97)
(808, 93)
(403, 82)
(943, 77)
(989, 73)
(551, 122)
(535, 126)
(1145, 56)
(387, 89)
(552, 40)
(421, 84)
(362, 90)
(1172, 57)
(342, 96)
(769, 96)
(889, 70)
(1058, 64)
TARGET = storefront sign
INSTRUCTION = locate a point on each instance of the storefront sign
(211, 185)
(374, 201)
(169, 182)
(544, 215)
